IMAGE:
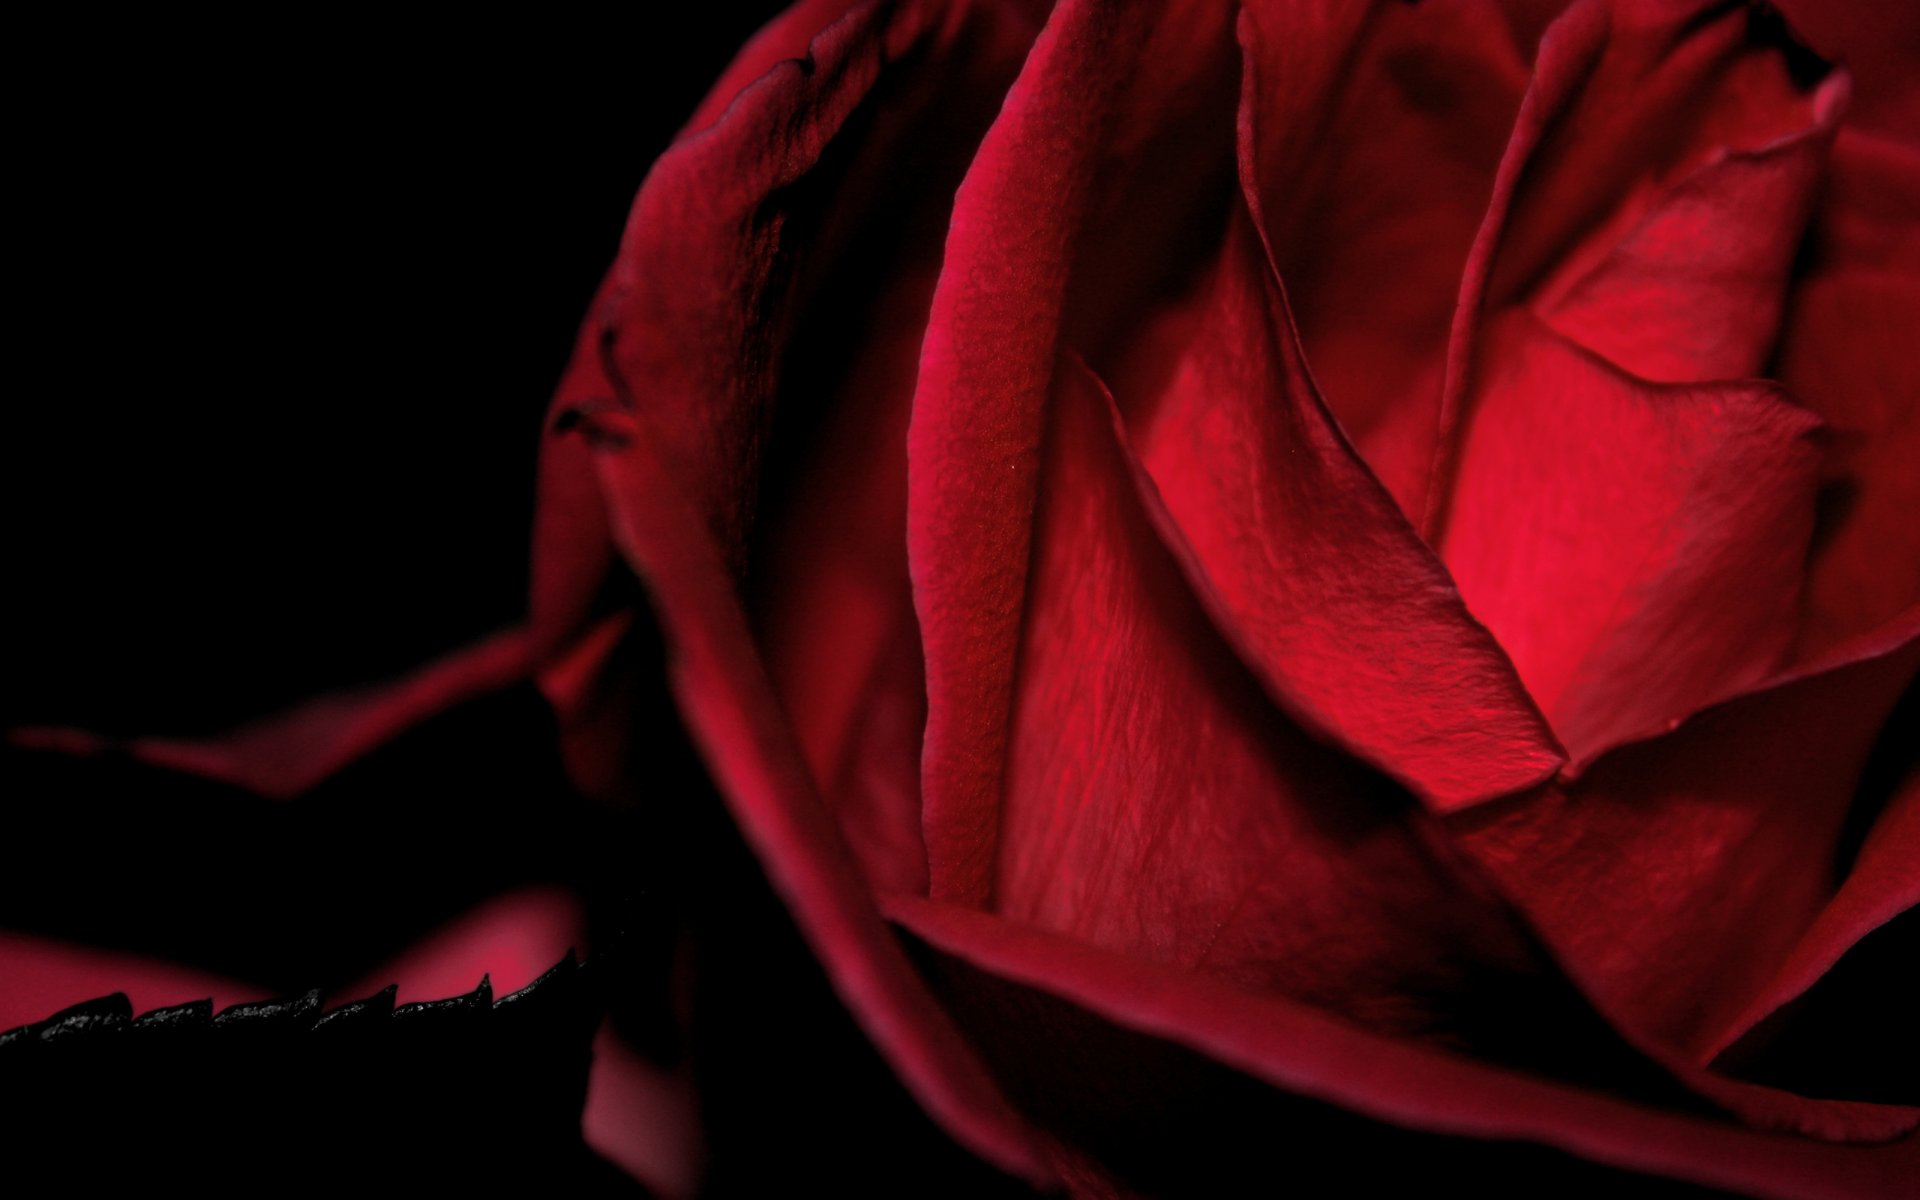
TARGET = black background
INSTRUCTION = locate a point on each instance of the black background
(289, 302)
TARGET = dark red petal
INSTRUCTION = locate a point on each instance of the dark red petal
(1695, 290)
(1877, 42)
(788, 38)
(734, 718)
(1883, 883)
(1633, 111)
(1675, 877)
(828, 588)
(1398, 1081)
(1156, 803)
(1849, 353)
(1380, 128)
(762, 244)
(1319, 581)
(1636, 547)
(643, 1118)
(284, 755)
(978, 413)
(695, 305)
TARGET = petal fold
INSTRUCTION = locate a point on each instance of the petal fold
(985, 371)
(1636, 547)
(1157, 803)
(1675, 877)
(1308, 1054)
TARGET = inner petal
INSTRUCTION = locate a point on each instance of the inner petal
(1157, 803)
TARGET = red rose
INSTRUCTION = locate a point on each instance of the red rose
(1282, 591)
(1317, 572)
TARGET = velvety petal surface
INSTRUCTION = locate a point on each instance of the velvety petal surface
(1300, 554)
(1876, 43)
(1636, 547)
(785, 197)
(1157, 803)
(985, 371)
(668, 408)
(828, 588)
(1695, 289)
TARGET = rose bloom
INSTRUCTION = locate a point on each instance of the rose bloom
(1280, 591)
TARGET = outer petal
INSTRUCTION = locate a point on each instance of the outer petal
(781, 201)
(284, 755)
(1884, 882)
(828, 587)
(1041, 1005)
(732, 715)
(1675, 877)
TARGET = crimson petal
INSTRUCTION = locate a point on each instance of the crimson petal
(734, 718)
(1317, 578)
(979, 410)
(1156, 803)
(1308, 1054)
(1676, 875)
(1848, 351)
(1637, 548)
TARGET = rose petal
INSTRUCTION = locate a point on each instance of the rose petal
(1875, 42)
(1636, 547)
(991, 345)
(735, 720)
(1155, 806)
(1156, 803)
(1317, 579)
(1392, 1080)
(284, 755)
(643, 1118)
(1630, 98)
(1883, 883)
(1352, 102)
(828, 588)
(787, 196)
(1695, 291)
(1674, 878)
(1848, 351)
